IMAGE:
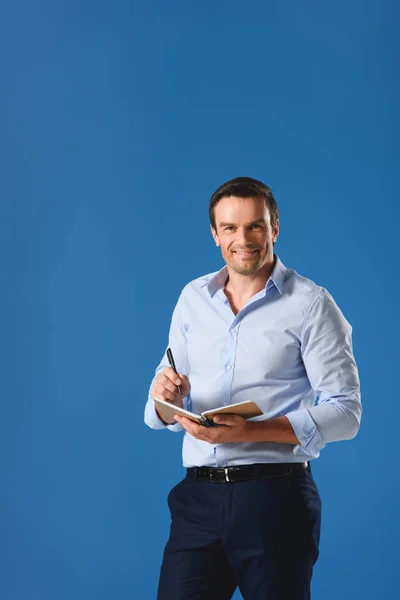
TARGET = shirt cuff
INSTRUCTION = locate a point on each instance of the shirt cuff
(307, 433)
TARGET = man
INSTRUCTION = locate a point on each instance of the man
(248, 512)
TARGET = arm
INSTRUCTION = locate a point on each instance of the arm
(235, 429)
(177, 341)
(327, 354)
(277, 430)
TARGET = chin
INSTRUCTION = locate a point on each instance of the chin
(245, 271)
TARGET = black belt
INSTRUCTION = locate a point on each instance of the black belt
(245, 472)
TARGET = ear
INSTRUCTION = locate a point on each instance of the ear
(214, 234)
(275, 231)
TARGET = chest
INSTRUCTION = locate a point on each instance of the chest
(263, 339)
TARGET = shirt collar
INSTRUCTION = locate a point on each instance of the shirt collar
(276, 278)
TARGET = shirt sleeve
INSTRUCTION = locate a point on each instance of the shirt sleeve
(327, 353)
(177, 342)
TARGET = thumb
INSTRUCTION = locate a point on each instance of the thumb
(183, 379)
(185, 383)
(228, 420)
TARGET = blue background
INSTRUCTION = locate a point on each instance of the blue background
(119, 119)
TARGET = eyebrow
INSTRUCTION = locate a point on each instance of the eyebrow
(223, 224)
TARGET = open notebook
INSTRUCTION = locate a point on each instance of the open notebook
(247, 410)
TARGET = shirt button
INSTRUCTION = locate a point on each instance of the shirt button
(228, 367)
(224, 404)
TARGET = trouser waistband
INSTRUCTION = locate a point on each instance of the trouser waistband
(245, 472)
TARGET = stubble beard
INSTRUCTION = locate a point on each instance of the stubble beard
(242, 270)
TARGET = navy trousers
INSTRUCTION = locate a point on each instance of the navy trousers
(260, 535)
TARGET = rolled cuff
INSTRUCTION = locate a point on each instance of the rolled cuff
(311, 442)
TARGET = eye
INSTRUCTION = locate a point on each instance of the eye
(228, 228)
(255, 226)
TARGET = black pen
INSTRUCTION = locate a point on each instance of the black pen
(172, 364)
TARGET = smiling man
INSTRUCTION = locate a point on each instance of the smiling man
(247, 513)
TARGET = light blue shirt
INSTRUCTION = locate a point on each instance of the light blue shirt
(289, 349)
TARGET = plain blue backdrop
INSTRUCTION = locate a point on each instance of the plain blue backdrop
(118, 121)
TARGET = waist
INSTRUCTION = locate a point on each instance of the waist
(195, 453)
(245, 472)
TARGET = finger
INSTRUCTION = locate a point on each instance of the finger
(185, 387)
(170, 374)
(164, 394)
(187, 424)
(212, 435)
(182, 422)
(198, 431)
(164, 382)
(227, 420)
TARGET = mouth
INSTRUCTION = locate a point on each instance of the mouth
(245, 253)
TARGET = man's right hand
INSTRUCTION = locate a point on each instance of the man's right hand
(165, 387)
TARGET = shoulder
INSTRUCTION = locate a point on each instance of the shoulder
(315, 302)
(195, 293)
(302, 287)
(306, 296)
(198, 285)
(194, 298)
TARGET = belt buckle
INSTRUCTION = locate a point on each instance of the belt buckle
(216, 480)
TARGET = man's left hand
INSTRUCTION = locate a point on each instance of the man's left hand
(231, 428)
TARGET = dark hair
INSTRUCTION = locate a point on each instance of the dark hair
(244, 187)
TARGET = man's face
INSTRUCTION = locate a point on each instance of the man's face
(244, 233)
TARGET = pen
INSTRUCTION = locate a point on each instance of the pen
(172, 364)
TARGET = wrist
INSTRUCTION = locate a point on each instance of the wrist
(163, 418)
(256, 431)
(277, 430)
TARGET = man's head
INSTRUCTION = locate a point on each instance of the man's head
(244, 223)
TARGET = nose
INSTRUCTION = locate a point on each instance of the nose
(243, 236)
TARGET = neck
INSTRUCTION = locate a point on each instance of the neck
(243, 287)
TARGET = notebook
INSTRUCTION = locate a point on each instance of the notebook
(247, 410)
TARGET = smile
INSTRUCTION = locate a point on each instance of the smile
(245, 253)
